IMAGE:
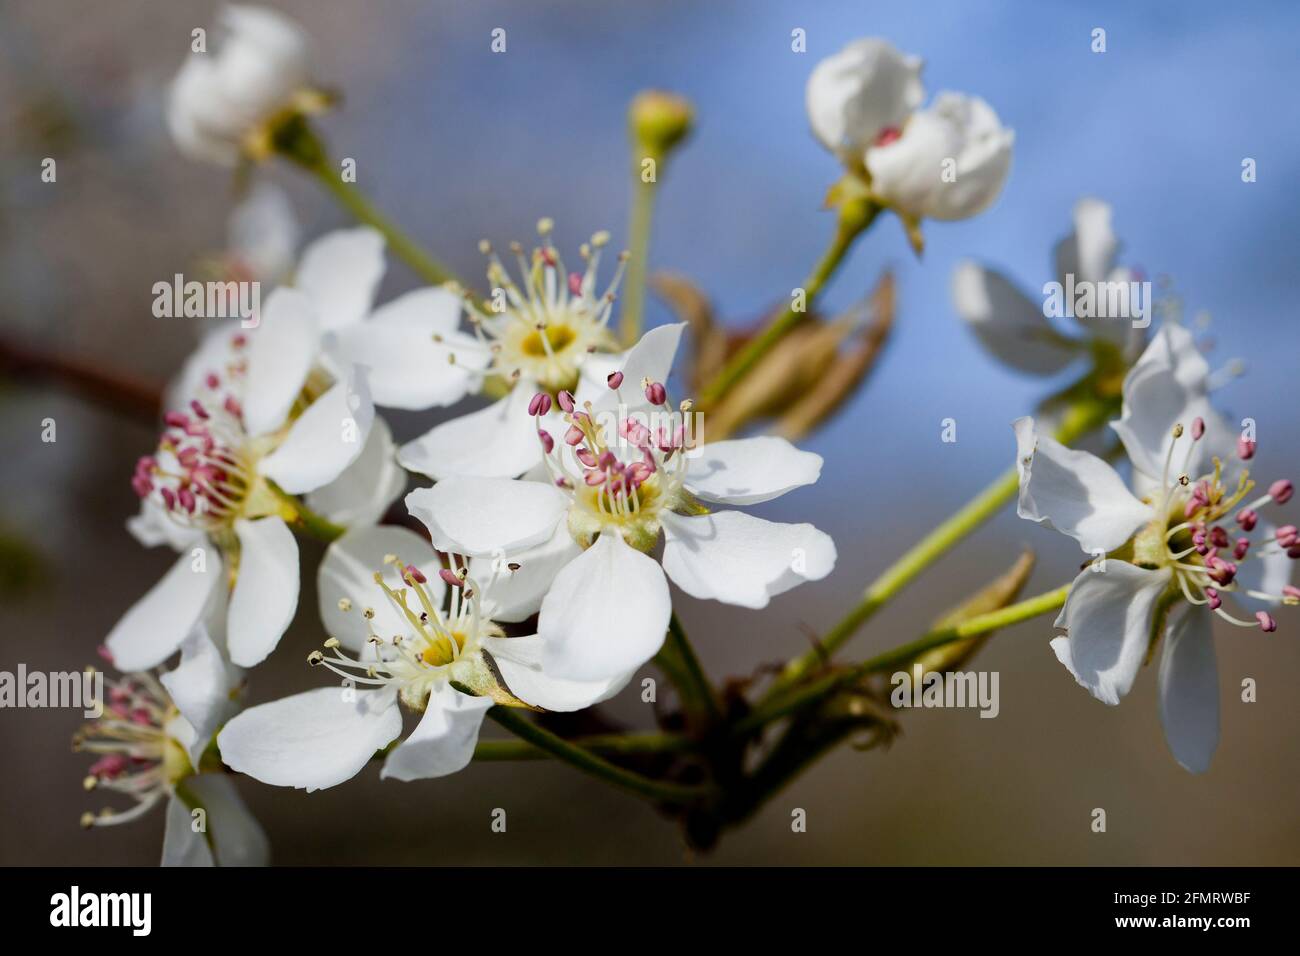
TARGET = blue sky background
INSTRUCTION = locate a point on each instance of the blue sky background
(1157, 125)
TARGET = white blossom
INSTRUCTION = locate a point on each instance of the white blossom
(1014, 326)
(1166, 555)
(619, 475)
(412, 634)
(258, 67)
(265, 422)
(149, 745)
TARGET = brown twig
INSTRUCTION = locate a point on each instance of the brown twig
(119, 392)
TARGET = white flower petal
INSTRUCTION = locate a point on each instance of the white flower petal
(182, 845)
(325, 439)
(339, 272)
(905, 172)
(281, 351)
(444, 740)
(312, 740)
(499, 441)
(483, 516)
(1114, 312)
(519, 659)
(262, 233)
(747, 471)
(265, 595)
(606, 613)
(1154, 402)
(367, 487)
(263, 56)
(409, 368)
(1074, 492)
(153, 526)
(739, 559)
(1189, 690)
(515, 595)
(190, 122)
(238, 838)
(214, 354)
(433, 309)
(200, 687)
(593, 376)
(1110, 616)
(1168, 385)
(1088, 253)
(1174, 349)
(651, 358)
(1265, 571)
(855, 94)
(1008, 323)
(348, 571)
(157, 624)
(909, 172)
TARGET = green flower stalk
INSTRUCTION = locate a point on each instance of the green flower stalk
(658, 122)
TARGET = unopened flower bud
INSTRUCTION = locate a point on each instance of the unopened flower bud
(658, 121)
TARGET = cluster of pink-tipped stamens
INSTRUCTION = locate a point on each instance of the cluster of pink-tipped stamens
(1207, 506)
(130, 742)
(198, 473)
(596, 465)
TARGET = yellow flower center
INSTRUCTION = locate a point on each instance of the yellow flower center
(558, 337)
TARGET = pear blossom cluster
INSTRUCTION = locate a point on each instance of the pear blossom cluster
(419, 623)
(558, 517)
(1193, 531)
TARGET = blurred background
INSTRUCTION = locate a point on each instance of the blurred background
(459, 143)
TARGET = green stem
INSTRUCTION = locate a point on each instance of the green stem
(493, 750)
(683, 667)
(317, 525)
(592, 764)
(815, 691)
(797, 750)
(297, 142)
(405, 248)
(643, 201)
(847, 230)
(295, 511)
(1082, 419)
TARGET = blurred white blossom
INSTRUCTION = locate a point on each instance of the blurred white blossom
(150, 745)
(223, 98)
(948, 161)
